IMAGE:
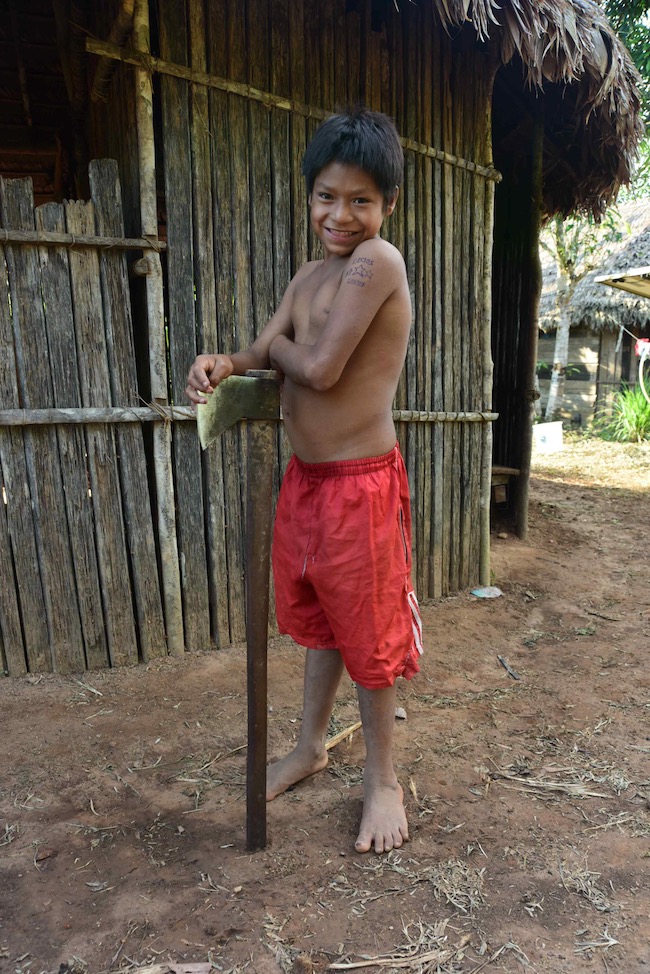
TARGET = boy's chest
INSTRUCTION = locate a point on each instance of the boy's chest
(313, 301)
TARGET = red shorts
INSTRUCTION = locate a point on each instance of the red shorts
(342, 565)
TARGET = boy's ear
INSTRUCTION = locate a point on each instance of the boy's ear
(393, 203)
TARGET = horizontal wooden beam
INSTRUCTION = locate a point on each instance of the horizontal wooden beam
(157, 65)
(96, 414)
(47, 238)
(423, 416)
(159, 413)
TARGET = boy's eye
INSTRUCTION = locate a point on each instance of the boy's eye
(324, 196)
(361, 199)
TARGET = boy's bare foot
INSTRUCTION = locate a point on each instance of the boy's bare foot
(298, 764)
(383, 823)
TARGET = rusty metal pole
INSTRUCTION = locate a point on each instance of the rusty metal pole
(260, 438)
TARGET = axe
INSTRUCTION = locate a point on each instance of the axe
(254, 397)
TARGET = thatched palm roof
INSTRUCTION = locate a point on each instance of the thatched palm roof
(570, 52)
(594, 305)
(564, 48)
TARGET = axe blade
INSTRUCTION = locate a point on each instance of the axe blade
(255, 395)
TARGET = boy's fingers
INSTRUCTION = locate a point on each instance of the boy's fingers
(194, 395)
(206, 372)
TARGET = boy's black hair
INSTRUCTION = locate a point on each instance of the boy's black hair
(362, 138)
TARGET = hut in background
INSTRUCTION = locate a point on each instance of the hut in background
(207, 108)
(605, 322)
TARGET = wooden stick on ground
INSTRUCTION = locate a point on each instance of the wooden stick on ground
(342, 735)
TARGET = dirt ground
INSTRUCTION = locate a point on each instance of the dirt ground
(523, 756)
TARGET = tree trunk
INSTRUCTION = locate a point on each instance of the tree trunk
(561, 353)
(538, 401)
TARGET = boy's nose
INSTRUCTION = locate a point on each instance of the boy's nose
(342, 212)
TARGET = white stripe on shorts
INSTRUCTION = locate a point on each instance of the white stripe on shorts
(416, 622)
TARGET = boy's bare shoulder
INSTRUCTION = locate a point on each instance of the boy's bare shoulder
(378, 259)
(379, 251)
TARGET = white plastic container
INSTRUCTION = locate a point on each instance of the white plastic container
(547, 437)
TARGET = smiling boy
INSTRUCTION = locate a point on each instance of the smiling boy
(342, 537)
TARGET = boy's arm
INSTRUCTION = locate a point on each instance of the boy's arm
(374, 272)
(209, 370)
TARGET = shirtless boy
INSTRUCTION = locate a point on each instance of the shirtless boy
(341, 546)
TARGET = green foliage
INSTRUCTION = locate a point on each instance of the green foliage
(631, 21)
(578, 243)
(639, 188)
(630, 422)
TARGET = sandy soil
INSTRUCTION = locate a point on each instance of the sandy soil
(122, 794)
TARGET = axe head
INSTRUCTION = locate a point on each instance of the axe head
(255, 395)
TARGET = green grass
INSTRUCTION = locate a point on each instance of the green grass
(630, 420)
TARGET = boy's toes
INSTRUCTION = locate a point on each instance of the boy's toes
(380, 842)
(363, 845)
(383, 823)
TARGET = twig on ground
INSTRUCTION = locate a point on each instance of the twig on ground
(347, 732)
(601, 615)
(605, 942)
(425, 946)
(508, 668)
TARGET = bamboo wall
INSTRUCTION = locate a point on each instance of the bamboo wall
(78, 565)
(238, 90)
(237, 227)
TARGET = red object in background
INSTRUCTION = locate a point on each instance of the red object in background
(642, 344)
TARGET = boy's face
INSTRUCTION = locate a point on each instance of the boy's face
(346, 208)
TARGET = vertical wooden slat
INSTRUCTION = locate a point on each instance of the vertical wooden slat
(355, 86)
(227, 339)
(395, 226)
(92, 359)
(372, 37)
(261, 242)
(477, 365)
(182, 327)
(428, 474)
(41, 447)
(202, 139)
(21, 578)
(240, 165)
(436, 561)
(410, 255)
(453, 352)
(419, 432)
(12, 651)
(448, 270)
(339, 58)
(298, 133)
(263, 211)
(282, 167)
(476, 337)
(311, 62)
(57, 300)
(138, 516)
(464, 96)
(241, 211)
(329, 66)
(155, 359)
(487, 369)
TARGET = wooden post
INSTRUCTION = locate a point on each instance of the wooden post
(261, 453)
(488, 366)
(529, 365)
(157, 351)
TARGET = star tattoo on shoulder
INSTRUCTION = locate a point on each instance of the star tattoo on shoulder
(359, 271)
